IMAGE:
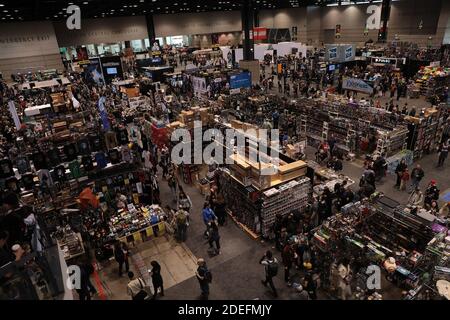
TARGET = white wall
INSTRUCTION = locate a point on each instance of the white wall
(106, 30)
(28, 46)
(197, 23)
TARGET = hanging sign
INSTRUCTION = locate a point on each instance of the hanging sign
(356, 85)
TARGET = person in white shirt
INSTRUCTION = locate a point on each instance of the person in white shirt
(135, 286)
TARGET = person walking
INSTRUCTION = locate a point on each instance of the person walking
(404, 180)
(181, 218)
(416, 176)
(136, 288)
(401, 167)
(208, 215)
(443, 153)
(121, 256)
(219, 209)
(204, 278)
(172, 182)
(214, 237)
(271, 270)
(288, 257)
(157, 279)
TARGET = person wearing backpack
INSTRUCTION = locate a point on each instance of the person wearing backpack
(214, 237)
(204, 278)
(181, 220)
(136, 288)
(271, 269)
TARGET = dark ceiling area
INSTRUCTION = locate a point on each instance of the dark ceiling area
(26, 10)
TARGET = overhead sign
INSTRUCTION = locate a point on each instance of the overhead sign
(259, 33)
(382, 61)
(356, 85)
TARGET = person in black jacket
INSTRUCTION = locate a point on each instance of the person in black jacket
(214, 236)
(401, 167)
(416, 176)
(157, 279)
(121, 256)
(12, 222)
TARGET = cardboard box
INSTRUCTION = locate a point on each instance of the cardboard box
(236, 124)
(292, 170)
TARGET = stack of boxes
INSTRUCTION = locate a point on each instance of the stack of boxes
(196, 114)
(287, 198)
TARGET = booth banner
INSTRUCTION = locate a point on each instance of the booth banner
(111, 68)
(332, 53)
(14, 115)
(349, 53)
(382, 61)
(356, 85)
(241, 80)
(259, 33)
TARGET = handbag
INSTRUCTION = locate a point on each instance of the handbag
(142, 294)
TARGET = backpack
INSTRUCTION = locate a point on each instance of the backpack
(272, 268)
(142, 294)
(208, 276)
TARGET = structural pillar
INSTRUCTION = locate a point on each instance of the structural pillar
(256, 17)
(247, 26)
(150, 28)
(385, 14)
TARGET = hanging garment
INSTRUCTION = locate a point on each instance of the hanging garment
(122, 136)
(83, 146)
(39, 161)
(70, 151)
(45, 177)
(23, 165)
(114, 156)
(110, 140)
(60, 173)
(100, 158)
(126, 154)
(87, 163)
(74, 168)
(53, 157)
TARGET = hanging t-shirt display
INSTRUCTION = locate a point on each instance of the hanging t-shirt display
(74, 167)
(70, 151)
(126, 154)
(53, 157)
(39, 161)
(122, 136)
(110, 140)
(60, 173)
(6, 168)
(27, 181)
(95, 142)
(83, 146)
(23, 166)
(87, 163)
(114, 156)
(12, 184)
(100, 158)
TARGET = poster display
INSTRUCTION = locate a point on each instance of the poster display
(339, 53)
(92, 71)
(241, 80)
(357, 85)
(199, 85)
(111, 68)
